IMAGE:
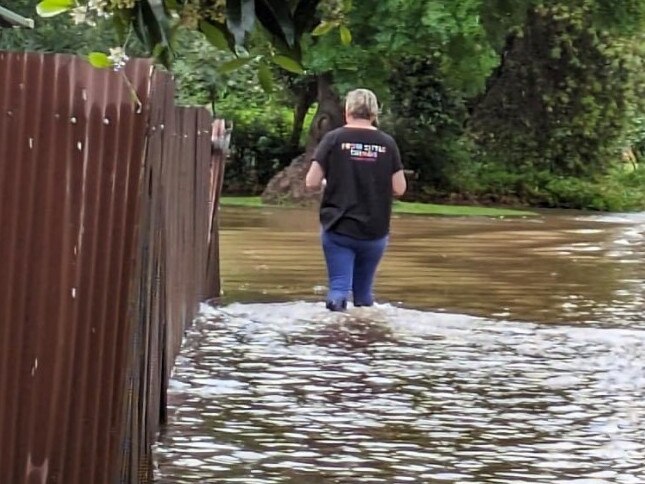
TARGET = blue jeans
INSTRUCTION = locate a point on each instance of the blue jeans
(351, 266)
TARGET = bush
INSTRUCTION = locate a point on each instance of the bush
(566, 96)
(426, 119)
(618, 191)
(259, 149)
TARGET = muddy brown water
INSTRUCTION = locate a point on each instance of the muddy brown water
(503, 350)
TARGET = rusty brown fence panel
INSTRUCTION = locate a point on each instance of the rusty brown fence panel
(107, 245)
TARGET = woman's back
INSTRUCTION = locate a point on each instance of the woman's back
(358, 165)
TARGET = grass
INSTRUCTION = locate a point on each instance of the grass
(457, 210)
(241, 202)
(408, 208)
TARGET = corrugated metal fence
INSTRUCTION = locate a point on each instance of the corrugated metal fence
(108, 241)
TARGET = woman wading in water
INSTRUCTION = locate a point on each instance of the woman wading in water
(362, 169)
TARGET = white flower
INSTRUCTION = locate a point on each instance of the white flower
(99, 6)
(79, 15)
(118, 57)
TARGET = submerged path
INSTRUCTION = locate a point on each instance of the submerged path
(289, 393)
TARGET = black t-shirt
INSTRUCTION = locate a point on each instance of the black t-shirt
(358, 164)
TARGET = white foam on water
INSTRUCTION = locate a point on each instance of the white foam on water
(615, 355)
(291, 316)
(619, 218)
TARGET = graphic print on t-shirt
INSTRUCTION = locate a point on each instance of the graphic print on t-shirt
(363, 152)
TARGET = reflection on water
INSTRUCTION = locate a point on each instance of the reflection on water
(288, 393)
(556, 268)
(544, 382)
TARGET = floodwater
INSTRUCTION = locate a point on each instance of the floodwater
(502, 350)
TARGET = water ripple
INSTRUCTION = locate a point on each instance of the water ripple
(288, 393)
(556, 268)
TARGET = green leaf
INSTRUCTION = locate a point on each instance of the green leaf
(99, 60)
(240, 18)
(287, 63)
(265, 78)
(152, 26)
(345, 35)
(159, 13)
(121, 21)
(275, 16)
(159, 51)
(141, 28)
(214, 35)
(323, 28)
(304, 16)
(240, 51)
(233, 65)
(50, 8)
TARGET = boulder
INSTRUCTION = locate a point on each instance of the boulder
(288, 186)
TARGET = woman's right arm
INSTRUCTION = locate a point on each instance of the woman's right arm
(399, 184)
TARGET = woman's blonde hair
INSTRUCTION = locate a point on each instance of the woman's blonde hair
(362, 104)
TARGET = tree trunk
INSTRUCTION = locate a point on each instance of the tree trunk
(288, 185)
(305, 97)
(329, 115)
